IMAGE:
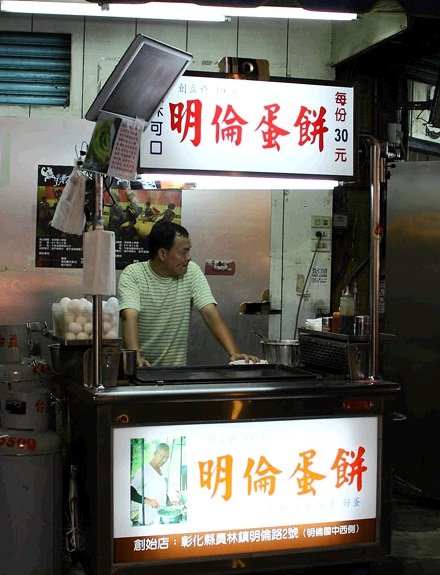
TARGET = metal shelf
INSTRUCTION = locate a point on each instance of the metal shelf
(83, 342)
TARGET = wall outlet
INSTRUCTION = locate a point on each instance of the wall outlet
(321, 222)
(324, 245)
(322, 225)
(326, 234)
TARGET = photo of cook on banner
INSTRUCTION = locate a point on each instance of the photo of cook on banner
(158, 481)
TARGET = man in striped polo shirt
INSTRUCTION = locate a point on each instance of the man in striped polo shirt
(156, 298)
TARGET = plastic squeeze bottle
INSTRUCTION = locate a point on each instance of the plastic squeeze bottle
(346, 309)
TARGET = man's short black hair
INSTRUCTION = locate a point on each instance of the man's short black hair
(162, 235)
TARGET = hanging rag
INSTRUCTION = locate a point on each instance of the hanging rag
(69, 214)
(99, 268)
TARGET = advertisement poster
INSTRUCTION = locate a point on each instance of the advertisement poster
(197, 490)
(130, 210)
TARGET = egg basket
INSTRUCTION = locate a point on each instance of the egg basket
(73, 319)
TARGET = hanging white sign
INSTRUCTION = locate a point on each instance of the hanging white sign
(221, 125)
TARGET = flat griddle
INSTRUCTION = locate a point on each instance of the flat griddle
(221, 373)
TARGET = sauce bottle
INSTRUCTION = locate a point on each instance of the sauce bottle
(346, 309)
(336, 321)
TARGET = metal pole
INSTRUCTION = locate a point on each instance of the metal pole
(376, 235)
(97, 382)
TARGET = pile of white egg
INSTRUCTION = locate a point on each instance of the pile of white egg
(73, 317)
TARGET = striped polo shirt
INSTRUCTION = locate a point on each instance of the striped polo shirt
(164, 306)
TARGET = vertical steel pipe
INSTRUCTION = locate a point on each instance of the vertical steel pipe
(97, 381)
(375, 237)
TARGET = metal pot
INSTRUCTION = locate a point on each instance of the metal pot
(281, 351)
(170, 514)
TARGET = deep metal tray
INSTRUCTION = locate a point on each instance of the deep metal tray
(331, 336)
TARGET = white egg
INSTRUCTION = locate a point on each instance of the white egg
(111, 335)
(83, 335)
(106, 326)
(113, 307)
(81, 318)
(113, 301)
(107, 317)
(74, 305)
(74, 327)
(88, 327)
(70, 335)
(64, 302)
(68, 317)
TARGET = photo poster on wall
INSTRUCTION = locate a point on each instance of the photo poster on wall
(130, 209)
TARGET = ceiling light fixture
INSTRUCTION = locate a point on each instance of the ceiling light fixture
(164, 11)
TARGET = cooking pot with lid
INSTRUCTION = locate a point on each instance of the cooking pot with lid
(281, 351)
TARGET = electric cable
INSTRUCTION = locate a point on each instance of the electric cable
(318, 243)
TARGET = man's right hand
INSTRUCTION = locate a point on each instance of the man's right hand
(141, 361)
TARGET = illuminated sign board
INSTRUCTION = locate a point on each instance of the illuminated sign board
(224, 125)
(243, 487)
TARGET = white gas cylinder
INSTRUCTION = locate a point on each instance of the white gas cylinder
(30, 503)
(24, 399)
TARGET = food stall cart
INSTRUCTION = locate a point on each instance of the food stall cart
(270, 467)
(275, 468)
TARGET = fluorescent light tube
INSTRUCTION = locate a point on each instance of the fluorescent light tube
(150, 11)
(238, 183)
(164, 11)
(287, 13)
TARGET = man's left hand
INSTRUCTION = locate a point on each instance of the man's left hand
(244, 356)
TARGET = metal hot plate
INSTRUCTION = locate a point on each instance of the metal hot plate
(221, 373)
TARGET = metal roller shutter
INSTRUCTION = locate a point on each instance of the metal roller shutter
(35, 68)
